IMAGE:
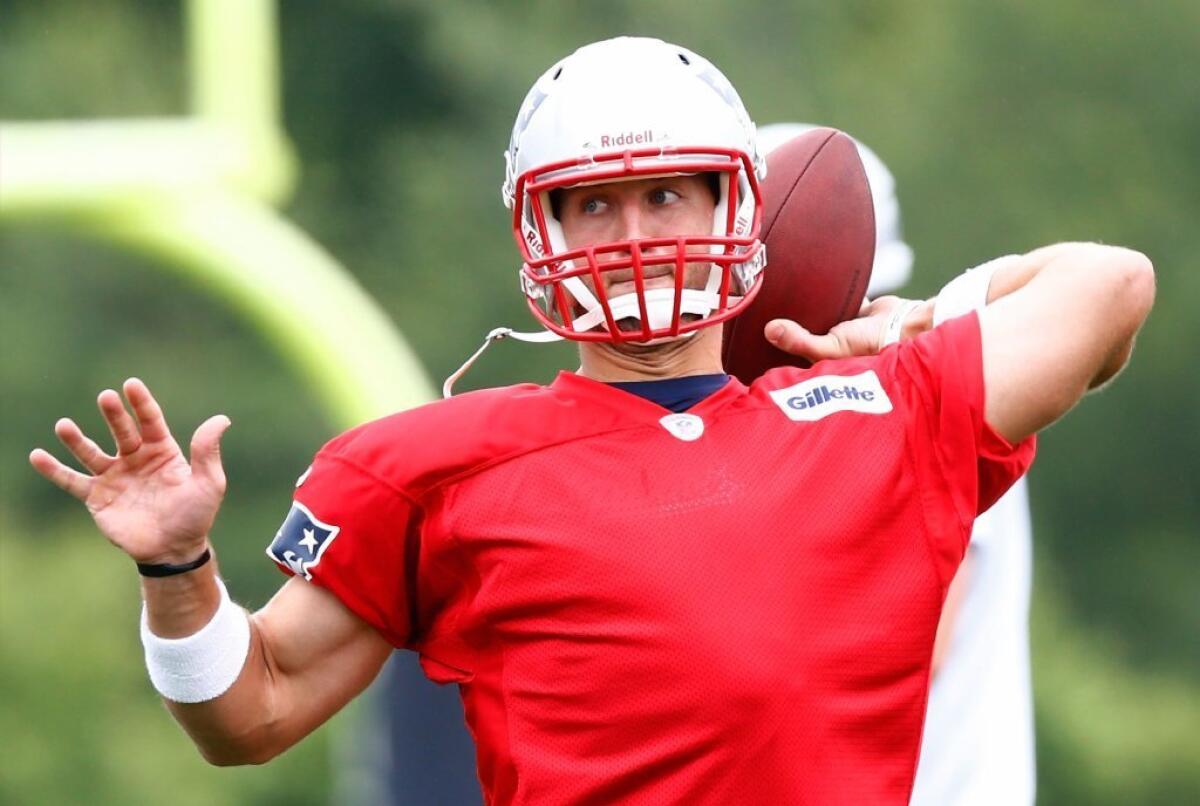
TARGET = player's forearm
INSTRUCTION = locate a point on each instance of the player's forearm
(264, 713)
(1012, 273)
(1122, 281)
(1016, 271)
(1063, 332)
(1118, 280)
(1106, 291)
(307, 657)
(240, 726)
(235, 727)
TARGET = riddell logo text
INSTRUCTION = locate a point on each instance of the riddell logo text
(826, 394)
(534, 242)
(626, 139)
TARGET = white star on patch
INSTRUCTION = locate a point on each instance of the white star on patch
(310, 540)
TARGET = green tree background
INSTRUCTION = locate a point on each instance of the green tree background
(1007, 124)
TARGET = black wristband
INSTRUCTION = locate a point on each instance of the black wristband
(168, 570)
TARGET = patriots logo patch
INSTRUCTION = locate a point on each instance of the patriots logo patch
(301, 541)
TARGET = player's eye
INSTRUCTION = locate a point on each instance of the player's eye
(659, 196)
(593, 205)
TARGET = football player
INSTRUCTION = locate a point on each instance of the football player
(651, 583)
(977, 747)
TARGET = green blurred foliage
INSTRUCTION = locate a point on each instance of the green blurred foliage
(1007, 125)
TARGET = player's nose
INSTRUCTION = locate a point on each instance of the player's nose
(628, 225)
(630, 221)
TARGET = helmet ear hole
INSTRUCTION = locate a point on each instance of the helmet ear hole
(683, 58)
(557, 73)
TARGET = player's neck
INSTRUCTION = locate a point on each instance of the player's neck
(697, 355)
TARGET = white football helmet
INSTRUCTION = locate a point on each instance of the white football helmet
(633, 108)
(893, 257)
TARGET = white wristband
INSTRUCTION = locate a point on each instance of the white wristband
(201, 666)
(968, 291)
(895, 325)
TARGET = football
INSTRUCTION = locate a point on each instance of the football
(819, 230)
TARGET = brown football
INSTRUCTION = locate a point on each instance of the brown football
(819, 229)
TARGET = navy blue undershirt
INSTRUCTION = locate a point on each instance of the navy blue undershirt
(676, 394)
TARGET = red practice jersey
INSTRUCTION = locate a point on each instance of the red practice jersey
(732, 605)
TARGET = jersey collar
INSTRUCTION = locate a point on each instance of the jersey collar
(575, 385)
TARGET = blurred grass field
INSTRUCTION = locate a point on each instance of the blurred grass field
(1006, 126)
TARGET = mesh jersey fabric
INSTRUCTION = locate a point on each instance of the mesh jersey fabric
(632, 617)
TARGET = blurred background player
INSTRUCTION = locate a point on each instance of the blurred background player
(978, 746)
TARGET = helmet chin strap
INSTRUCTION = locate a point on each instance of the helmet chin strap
(540, 337)
(660, 305)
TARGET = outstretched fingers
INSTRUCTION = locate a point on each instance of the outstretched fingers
(120, 423)
(74, 482)
(82, 447)
(149, 414)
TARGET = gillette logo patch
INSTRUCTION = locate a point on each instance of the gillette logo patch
(826, 394)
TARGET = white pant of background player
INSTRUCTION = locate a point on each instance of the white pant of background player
(978, 743)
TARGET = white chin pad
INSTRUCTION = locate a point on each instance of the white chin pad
(660, 303)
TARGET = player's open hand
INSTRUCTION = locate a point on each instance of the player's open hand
(862, 335)
(147, 499)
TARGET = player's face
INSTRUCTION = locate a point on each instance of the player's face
(641, 208)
